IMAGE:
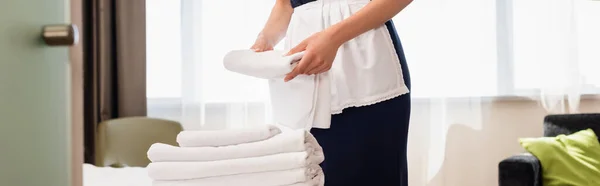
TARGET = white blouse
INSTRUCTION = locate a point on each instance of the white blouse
(366, 69)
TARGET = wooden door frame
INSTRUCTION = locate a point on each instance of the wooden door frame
(76, 59)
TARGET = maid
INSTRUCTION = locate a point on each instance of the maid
(355, 42)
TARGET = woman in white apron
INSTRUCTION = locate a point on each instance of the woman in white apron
(355, 42)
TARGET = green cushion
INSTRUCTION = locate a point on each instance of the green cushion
(567, 160)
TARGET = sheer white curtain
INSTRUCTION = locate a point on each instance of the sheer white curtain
(461, 53)
(464, 52)
(187, 81)
(452, 51)
(556, 50)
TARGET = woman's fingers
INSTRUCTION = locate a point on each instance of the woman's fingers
(304, 63)
(316, 70)
(298, 48)
(261, 47)
(308, 63)
(315, 67)
(261, 44)
(319, 69)
(308, 66)
(291, 75)
(324, 68)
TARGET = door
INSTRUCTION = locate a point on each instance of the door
(35, 145)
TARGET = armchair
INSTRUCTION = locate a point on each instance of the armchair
(525, 169)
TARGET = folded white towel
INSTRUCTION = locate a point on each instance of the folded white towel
(195, 170)
(214, 138)
(309, 95)
(305, 176)
(288, 141)
(266, 65)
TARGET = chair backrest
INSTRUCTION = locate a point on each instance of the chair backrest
(570, 123)
(125, 141)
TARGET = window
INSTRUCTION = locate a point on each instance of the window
(557, 35)
(163, 33)
(455, 48)
(451, 47)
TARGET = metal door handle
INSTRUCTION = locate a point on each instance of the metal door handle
(60, 35)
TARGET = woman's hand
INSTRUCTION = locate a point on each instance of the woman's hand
(276, 26)
(322, 47)
(320, 51)
(262, 43)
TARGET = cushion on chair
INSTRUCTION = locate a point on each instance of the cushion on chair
(567, 159)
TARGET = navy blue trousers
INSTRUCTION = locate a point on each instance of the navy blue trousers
(366, 146)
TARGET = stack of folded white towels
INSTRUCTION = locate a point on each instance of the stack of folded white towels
(262, 156)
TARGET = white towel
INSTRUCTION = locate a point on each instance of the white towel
(288, 141)
(301, 103)
(196, 170)
(265, 65)
(109, 176)
(305, 176)
(214, 138)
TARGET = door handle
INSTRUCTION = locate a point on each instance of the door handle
(60, 35)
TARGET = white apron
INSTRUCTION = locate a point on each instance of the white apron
(365, 71)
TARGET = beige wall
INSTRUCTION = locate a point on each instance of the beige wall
(472, 153)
